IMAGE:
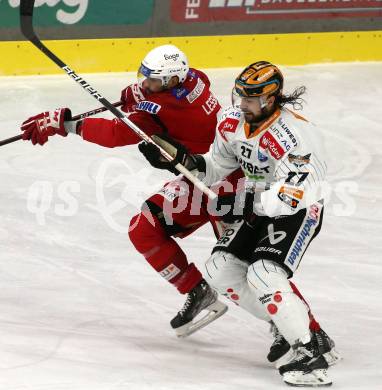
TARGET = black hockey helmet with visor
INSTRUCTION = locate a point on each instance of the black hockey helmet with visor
(257, 80)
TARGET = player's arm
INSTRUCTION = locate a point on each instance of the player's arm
(215, 165)
(220, 160)
(114, 133)
(131, 96)
(104, 132)
(300, 177)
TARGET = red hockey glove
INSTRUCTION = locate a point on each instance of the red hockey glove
(38, 128)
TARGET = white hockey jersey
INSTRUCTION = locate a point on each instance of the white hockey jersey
(284, 159)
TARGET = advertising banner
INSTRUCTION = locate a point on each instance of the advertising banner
(185, 11)
(50, 13)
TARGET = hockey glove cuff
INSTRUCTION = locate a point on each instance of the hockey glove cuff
(38, 128)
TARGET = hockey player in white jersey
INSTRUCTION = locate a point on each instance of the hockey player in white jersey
(274, 218)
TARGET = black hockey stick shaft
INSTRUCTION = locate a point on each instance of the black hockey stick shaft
(75, 118)
(26, 23)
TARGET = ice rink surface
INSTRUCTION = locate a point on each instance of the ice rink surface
(81, 310)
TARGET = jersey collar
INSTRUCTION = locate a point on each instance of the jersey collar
(265, 125)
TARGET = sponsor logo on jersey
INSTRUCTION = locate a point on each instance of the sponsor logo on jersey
(234, 114)
(226, 237)
(287, 131)
(290, 196)
(172, 191)
(274, 237)
(170, 272)
(269, 142)
(298, 160)
(254, 177)
(267, 249)
(197, 91)
(250, 169)
(191, 75)
(230, 113)
(210, 104)
(148, 106)
(300, 242)
(229, 125)
(314, 212)
(180, 93)
(291, 191)
(262, 157)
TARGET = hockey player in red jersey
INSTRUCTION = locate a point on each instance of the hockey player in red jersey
(171, 100)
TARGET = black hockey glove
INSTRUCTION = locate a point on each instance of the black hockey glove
(178, 151)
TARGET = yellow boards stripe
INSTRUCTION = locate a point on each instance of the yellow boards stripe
(120, 55)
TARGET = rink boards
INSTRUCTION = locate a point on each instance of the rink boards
(121, 55)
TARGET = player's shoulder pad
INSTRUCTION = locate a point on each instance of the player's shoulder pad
(193, 87)
(132, 94)
(150, 103)
(229, 121)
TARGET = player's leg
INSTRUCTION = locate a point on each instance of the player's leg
(280, 349)
(282, 243)
(167, 214)
(226, 269)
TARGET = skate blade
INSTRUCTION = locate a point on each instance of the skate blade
(285, 359)
(332, 357)
(316, 378)
(215, 310)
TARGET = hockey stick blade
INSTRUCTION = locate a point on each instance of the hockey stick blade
(26, 23)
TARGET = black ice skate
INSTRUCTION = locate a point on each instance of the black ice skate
(281, 353)
(201, 297)
(326, 347)
(308, 368)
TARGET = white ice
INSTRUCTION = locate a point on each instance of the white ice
(80, 309)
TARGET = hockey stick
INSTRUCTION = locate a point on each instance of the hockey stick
(75, 118)
(26, 24)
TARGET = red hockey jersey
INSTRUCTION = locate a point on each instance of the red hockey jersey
(187, 113)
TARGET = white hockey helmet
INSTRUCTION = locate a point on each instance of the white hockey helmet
(164, 62)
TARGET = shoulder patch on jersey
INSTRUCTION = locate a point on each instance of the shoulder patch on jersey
(197, 91)
(148, 106)
(228, 125)
(180, 93)
(299, 160)
(191, 74)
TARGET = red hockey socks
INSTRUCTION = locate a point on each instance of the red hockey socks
(163, 253)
